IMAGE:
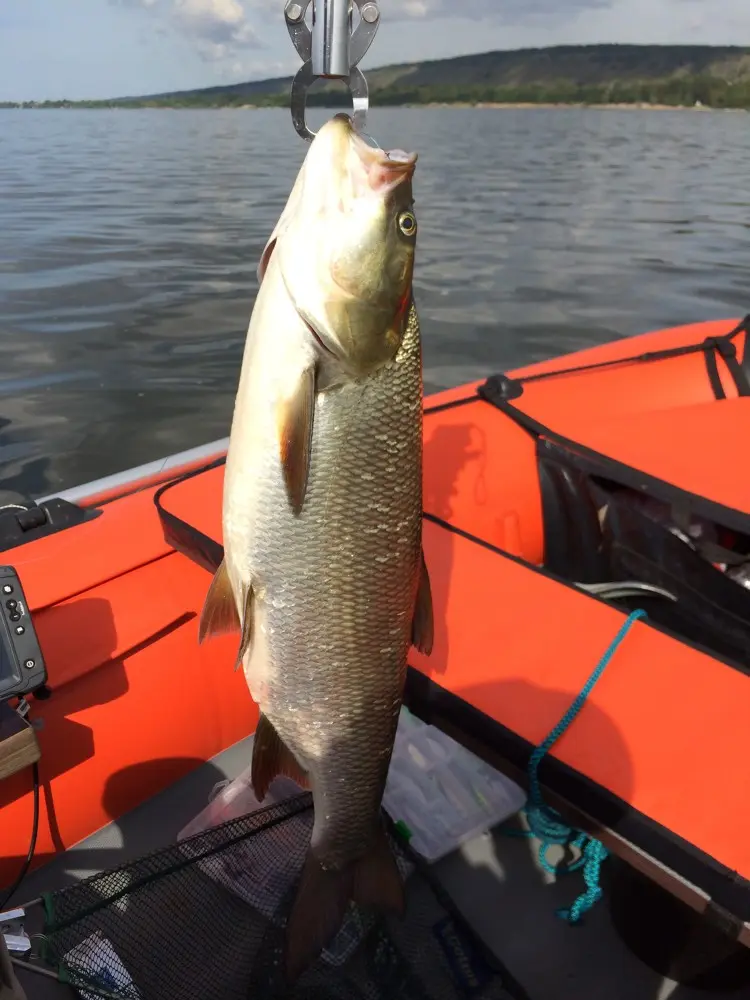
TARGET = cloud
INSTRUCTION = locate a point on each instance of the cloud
(504, 12)
(222, 22)
(225, 31)
(223, 15)
(220, 30)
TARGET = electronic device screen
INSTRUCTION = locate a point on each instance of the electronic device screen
(22, 668)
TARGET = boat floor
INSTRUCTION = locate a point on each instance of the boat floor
(495, 880)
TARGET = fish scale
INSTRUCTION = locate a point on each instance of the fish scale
(339, 584)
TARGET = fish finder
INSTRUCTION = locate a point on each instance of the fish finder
(22, 668)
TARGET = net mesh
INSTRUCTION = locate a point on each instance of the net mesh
(205, 918)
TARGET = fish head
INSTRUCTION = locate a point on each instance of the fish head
(347, 247)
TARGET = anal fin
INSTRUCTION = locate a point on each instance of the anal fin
(219, 614)
(271, 758)
(423, 625)
(295, 425)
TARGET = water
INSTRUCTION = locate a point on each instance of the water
(129, 241)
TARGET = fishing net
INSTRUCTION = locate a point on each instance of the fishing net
(205, 919)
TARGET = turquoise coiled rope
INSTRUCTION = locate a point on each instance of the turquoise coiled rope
(546, 824)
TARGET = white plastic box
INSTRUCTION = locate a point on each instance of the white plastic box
(444, 794)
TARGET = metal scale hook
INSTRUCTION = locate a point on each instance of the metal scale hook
(331, 50)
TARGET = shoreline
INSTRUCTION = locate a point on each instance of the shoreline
(527, 105)
(471, 105)
(502, 105)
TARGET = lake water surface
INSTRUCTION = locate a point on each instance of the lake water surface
(129, 242)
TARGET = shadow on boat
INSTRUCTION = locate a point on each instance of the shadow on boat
(185, 785)
(447, 451)
(497, 883)
(448, 448)
(85, 624)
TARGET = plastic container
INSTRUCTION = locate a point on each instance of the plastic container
(442, 792)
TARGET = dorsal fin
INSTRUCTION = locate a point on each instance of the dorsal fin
(423, 626)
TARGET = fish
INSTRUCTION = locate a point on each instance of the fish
(324, 575)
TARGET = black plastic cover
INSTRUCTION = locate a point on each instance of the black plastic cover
(27, 521)
(22, 667)
(572, 535)
(711, 609)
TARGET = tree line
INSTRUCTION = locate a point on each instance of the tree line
(678, 91)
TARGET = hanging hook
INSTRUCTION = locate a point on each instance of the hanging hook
(330, 51)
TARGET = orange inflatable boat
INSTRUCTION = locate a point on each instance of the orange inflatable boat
(557, 499)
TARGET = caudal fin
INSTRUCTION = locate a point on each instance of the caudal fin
(323, 896)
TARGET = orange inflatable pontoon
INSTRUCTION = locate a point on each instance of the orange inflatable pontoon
(557, 498)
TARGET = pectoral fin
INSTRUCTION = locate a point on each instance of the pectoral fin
(248, 627)
(219, 614)
(423, 627)
(271, 758)
(295, 423)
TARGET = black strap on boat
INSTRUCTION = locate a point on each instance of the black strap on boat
(502, 388)
(724, 347)
(184, 537)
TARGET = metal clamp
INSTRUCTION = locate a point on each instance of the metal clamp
(330, 51)
(615, 590)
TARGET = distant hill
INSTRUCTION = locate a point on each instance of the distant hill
(717, 76)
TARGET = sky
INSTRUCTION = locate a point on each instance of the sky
(78, 49)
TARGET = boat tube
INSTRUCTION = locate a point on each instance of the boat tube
(558, 498)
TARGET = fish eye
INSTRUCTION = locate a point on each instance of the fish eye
(407, 223)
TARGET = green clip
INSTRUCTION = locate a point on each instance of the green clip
(403, 830)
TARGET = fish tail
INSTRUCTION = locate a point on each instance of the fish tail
(324, 894)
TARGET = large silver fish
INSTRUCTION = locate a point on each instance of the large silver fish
(323, 570)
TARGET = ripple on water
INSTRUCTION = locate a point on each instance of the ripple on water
(129, 242)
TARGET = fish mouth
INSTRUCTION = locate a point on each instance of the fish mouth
(384, 169)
